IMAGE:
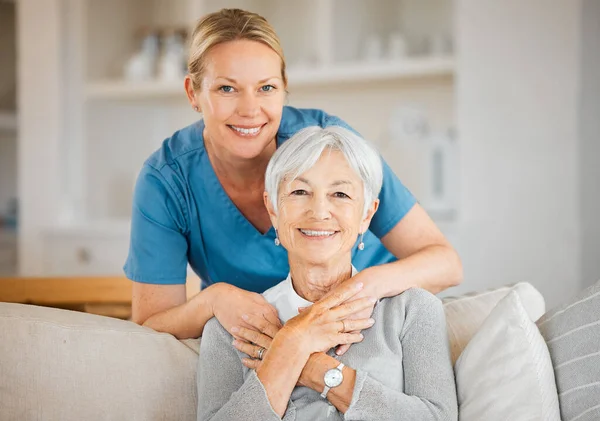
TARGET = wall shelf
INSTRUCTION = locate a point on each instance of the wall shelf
(298, 78)
(409, 68)
(125, 90)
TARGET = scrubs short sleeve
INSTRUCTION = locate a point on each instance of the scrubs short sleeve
(158, 246)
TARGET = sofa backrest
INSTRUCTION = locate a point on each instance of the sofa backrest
(66, 365)
(58, 364)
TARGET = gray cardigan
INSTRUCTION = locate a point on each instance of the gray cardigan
(403, 371)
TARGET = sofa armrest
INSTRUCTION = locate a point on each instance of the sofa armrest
(67, 365)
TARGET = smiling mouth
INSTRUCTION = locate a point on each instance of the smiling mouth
(317, 234)
(246, 131)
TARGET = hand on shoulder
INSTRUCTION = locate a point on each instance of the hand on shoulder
(230, 303)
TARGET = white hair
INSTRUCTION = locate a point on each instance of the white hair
(301, 152)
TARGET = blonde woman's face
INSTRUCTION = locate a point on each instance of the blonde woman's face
(320, 213)
(241, 98)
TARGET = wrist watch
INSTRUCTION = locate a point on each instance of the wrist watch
(333, 378)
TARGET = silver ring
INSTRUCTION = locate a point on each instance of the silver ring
(261, 351)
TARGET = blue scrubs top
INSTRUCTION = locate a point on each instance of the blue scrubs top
(181, 215)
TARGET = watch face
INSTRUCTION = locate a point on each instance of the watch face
(333, 377)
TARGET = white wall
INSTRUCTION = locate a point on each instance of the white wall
(517, 100)
(590, 141)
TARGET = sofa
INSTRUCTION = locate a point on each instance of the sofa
(65, 365)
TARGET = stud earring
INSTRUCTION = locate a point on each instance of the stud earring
(361, 244)
(196, 108)
(277, 242)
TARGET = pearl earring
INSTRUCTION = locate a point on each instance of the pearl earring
(277, 242)
(361, 244)
(196, 108)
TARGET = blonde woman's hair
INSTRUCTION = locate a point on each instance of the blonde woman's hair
(229, 25)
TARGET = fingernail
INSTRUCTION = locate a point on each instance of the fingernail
(359, 285)
(338, 352)
(235, 329)
(360, 336)
(235, 342)
(245, 317)
(371, 321)
(373, 299)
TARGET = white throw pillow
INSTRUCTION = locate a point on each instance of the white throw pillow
(465, 314)
(505, 372)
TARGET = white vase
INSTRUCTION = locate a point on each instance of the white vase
(141, 66)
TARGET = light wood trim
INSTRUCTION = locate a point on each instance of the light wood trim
(75, 290)
(120, 311)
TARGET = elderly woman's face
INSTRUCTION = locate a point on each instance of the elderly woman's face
(320, 214)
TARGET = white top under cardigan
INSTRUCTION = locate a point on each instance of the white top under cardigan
(403, 367)
(286, 300)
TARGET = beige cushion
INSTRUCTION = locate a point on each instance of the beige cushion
(505, 372)
(465, 314)
(64, 365)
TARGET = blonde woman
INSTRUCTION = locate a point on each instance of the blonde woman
(322, 190)
(198, 199)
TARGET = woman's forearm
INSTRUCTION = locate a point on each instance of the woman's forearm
(186, 320)
(280, 371)
(434, 268)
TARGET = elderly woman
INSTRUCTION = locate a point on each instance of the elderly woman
(321, 193)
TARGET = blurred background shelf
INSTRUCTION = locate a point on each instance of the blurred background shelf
(8, 252)
(519, 91)
(125, 90)
(362, 61)
(339, 74)
(8, 121)
(409, 68)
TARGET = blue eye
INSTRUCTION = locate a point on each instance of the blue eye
(226, 88)
(267, 88)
